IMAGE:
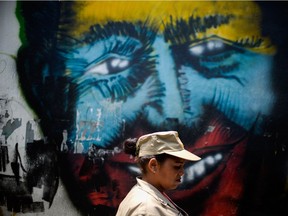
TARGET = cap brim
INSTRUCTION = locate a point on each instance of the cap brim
(184, 154)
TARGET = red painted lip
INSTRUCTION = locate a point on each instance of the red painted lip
(207, 180)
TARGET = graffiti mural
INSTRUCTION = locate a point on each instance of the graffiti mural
(94, 73)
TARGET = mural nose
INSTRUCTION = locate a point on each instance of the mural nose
(172, 103)
(171, 122)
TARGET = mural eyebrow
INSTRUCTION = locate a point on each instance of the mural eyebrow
(179, 31)
(138, 31)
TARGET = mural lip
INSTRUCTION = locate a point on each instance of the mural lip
(188, 189)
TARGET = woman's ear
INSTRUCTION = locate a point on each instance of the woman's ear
(153, 165)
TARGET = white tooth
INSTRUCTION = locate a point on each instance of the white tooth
(135, 170)
(189, 174)
(199, 168)
(210, 160)
(218, 157)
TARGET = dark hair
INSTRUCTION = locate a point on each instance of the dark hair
(129, 146)
(143, 161)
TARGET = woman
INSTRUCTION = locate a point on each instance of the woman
(161, 157)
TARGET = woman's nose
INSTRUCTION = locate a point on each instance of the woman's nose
(181, 172)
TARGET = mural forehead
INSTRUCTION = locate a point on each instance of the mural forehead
(242, 19)
(162, 10)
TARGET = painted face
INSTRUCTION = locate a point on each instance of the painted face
(201, 68)
(164, 71)
(170, 173)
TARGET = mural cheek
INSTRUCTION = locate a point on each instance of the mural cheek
(196, 92)
(102, 180)
(98, 120)
(121, 180)
(242, 95)
(238, 109)
(230, 186)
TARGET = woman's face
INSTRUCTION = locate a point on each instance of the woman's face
(168, 174)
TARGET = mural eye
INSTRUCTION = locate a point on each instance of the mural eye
(110, 65)
(212, 57)
(208, 48)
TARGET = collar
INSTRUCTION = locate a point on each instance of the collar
(153, 191)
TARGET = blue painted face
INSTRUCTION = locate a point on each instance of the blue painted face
(129, 84)
(123, 81)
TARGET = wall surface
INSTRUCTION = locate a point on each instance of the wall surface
(78, 78)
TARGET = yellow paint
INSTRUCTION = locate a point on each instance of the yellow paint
(245, 25)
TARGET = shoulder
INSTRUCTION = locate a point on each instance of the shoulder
(137, 196)
(139, 202)
(136, 202)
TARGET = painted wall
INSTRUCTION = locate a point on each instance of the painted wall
(78, 78)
